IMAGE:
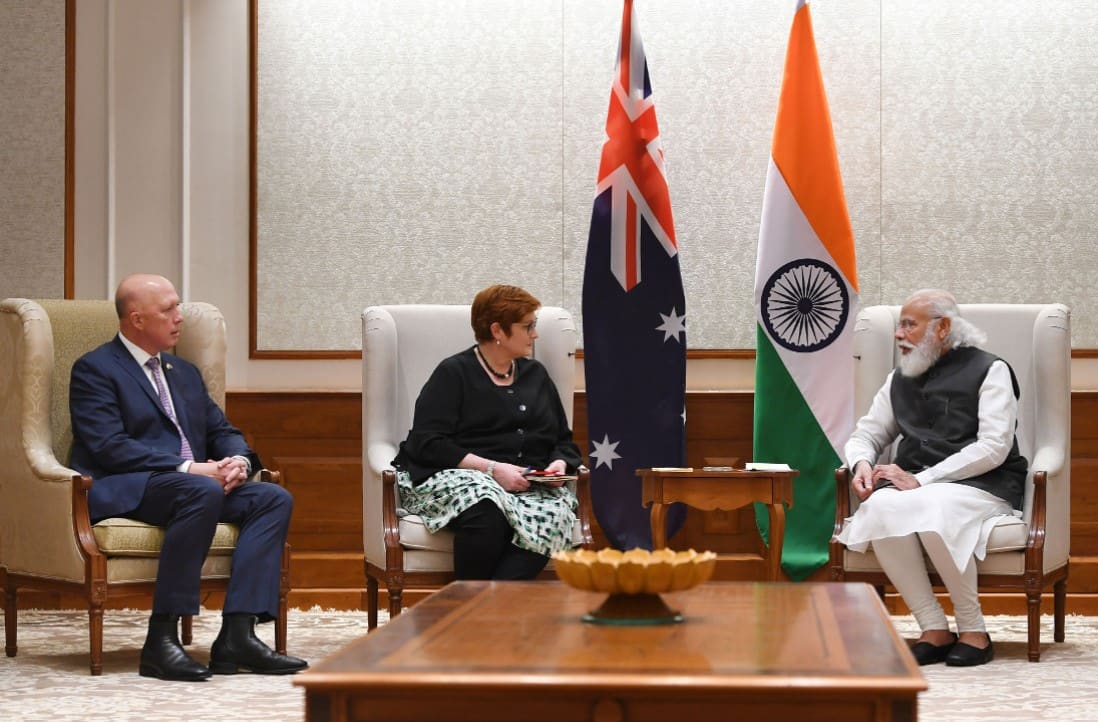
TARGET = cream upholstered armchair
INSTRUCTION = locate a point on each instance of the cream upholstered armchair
(47, 540)
(1027, 554)
(401, 346)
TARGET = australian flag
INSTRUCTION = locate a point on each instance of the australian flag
(634, 315)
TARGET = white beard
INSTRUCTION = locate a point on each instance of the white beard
(918, 360)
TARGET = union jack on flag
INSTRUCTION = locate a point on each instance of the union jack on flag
(632, 160)
(634, 315)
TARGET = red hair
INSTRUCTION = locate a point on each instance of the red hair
(501, 304)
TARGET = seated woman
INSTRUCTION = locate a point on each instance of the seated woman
(486, 417)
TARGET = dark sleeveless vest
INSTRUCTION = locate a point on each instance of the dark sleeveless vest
(938, 415)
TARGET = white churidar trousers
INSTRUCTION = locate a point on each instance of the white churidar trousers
(948, 522)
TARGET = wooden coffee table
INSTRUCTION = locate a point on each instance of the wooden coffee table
(518, 651)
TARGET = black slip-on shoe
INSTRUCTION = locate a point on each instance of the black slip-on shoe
(927, 653)
(965, 655)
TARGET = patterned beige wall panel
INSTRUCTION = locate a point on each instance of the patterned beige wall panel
(990, 153)
(408, 152)
(32, 149)
(417, 151)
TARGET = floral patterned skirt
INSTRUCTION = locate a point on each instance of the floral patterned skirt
(542, 517)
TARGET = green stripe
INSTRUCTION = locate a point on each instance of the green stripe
(786, 431)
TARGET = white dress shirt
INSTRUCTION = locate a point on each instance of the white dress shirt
(141, 356)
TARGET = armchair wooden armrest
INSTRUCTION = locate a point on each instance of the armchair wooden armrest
(842, 511)
(390, 520)
(95, 562)
(281, 621)
(1035, 540)
(842, 497)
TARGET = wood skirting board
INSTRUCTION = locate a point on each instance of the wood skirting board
(315, 439)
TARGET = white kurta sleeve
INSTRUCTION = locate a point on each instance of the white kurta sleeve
(874, 431)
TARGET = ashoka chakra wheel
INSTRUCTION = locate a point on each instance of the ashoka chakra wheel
(805, 305)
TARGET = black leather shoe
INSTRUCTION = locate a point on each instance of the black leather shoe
(237, 648)
(163, 656)
(927, 653)
(965, 655)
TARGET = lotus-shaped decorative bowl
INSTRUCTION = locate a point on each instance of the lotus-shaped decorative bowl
(634, 580)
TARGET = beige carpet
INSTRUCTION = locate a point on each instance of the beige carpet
(49, 679)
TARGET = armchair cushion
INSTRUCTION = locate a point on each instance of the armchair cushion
(118, 537)
(414, 535)
(1008, 535)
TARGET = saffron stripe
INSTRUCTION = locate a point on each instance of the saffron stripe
(804, 147)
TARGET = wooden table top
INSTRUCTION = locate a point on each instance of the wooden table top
(736, 635)
(717, 489)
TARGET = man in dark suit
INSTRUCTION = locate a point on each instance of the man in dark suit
(161, 451)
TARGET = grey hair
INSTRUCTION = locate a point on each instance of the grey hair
(942, 304)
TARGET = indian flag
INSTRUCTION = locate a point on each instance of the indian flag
(806, 291)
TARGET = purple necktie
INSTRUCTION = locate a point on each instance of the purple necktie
(154, 365)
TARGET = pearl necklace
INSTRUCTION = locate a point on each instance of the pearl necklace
(491, 370)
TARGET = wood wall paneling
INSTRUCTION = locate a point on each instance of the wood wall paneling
(315, 439)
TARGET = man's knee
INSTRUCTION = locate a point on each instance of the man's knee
(269, 499)
(202, 491)
(274, 495)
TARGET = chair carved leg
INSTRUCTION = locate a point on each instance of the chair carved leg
(95, 632)
(283, 601)
(281, 623)
(1059, 601)
(1033, 622)
(186, 631)
(10, 610)
(371, 602)
(396, 598)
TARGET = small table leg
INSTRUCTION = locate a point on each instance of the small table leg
(776, 513)
(659, 525)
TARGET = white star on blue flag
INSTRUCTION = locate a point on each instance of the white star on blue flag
(672, 325)
(604, 452)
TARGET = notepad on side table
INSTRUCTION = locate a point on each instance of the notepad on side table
(763, 466)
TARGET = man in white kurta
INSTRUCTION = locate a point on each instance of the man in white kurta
(952, 407)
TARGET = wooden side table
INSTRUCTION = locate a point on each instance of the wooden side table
(725, 490)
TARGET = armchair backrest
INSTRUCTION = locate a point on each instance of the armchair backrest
(79, 326)
(401, 346)
(1035, 339)
(39, 342)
